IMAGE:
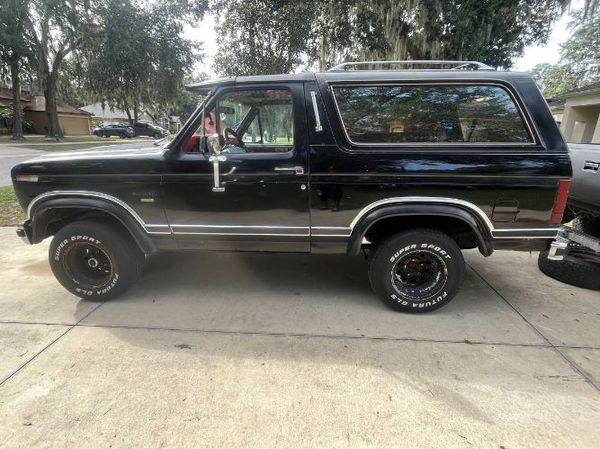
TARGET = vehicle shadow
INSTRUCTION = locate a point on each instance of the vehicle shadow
(279, 274)
(291, 294)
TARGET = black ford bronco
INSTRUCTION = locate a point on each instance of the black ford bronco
(408, 162)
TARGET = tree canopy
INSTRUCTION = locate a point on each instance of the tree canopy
(138, 61)
(267, 36)
(262, 36)
(579, 58)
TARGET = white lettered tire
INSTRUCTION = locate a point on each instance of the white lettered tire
(416, 271)
(95, 260)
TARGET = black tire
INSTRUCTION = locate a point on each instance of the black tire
(94, 259)
(571, 270)
(122, 135)
(157, 135)
(416, 271)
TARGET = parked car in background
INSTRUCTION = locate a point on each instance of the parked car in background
(148, 129)
(580, 264)
(114, 129)
(584, 197)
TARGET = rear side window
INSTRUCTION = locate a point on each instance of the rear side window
(430, 114)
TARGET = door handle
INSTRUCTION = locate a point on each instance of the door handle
(298, 170)
(217, 176)
(591, 166)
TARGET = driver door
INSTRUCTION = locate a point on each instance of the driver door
(249, 192)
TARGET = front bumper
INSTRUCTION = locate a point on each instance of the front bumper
(24, 231)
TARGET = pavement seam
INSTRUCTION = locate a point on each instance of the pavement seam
(298, 335)
(556, 348)
(49, 345)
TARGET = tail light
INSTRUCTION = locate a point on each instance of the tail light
(560, 201)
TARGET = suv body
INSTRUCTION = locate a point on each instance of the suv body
(148, 129)
(372, 160)
(114, 129)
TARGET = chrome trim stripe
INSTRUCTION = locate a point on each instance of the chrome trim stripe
(525, 233)
(524, 113)
(85, 193)
(237, 226)
(330, 235)
(330, 231)
(104, 196)
(423, 199)
(246, 234)
(318, 126)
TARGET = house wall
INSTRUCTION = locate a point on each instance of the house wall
(580, 123)
(72, 125)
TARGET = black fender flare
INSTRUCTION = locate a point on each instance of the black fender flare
(477, 225)
(39, 216)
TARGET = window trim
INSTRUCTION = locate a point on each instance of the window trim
(523, 114)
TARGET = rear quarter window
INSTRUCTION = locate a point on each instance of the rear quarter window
(399, 114)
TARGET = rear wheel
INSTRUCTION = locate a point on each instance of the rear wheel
(94, 259)
(417, 271)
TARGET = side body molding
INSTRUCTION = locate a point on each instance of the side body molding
(39, 213)
(475, 219)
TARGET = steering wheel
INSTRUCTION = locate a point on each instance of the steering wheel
(228, 133)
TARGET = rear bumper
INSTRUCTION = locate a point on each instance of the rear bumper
(560, 245)
(24, 232)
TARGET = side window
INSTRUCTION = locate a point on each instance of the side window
(430, 114)
(250, 121)
(262, 119)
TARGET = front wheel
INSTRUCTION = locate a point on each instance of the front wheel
(417, 271)
(94, 259)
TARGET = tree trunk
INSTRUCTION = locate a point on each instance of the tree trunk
(17, 125)
(51, 107)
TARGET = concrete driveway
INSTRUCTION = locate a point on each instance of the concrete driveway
(239, 351)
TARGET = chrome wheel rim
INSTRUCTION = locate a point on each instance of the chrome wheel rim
(419, 275)
(88, 265)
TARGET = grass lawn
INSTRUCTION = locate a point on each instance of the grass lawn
(10, 211)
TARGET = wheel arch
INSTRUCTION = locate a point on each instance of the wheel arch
(422, 215)
(47, 214)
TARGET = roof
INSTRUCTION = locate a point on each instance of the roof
(6, 95)
(38, 104)
(205, 86)
(108, 113)
(583, 90)
(361, 76)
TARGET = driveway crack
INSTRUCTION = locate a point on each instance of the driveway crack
(49, 345)
(556, 348)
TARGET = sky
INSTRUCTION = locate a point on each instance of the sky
(533, 55)
(550, 52)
